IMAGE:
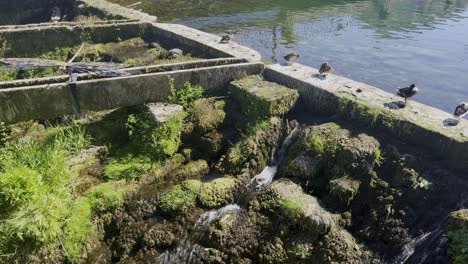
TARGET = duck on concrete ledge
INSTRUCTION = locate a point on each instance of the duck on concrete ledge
(325, 69)
(407, 92)
(291, 57)
(461, 110)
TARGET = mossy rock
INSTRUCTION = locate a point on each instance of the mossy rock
(206, 114)
(301, 209)
(342, 192)
(252, 152)
(217, 192)
(261, 99)
(194, 169)
(212, 194)
(329, 151)
(211, 144)
(457, 233)
(178, 201)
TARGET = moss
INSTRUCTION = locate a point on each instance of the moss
(457, 233)
(155, 141)
(362, 113)
(206, 114)
(342, 192)
(193, 169)
(177, 201)
(292, 210)
(79, 226)
(260, 100)
(127, 167)
(217, 192)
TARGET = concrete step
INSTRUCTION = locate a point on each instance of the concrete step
(262, 98)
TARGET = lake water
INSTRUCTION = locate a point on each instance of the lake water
(386, 43)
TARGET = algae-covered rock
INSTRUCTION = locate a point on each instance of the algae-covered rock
(211, 143)
(302, 209)
(261, 99)
(206, 114)
(457, 233)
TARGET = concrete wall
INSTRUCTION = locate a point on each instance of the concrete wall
(30, 41)
(49, 101)
(417, 123)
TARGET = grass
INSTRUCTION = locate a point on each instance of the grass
(35, 188)
(292, 210)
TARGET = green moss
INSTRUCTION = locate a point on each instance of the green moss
(206, 114)
(457, 233)
(177, 201)
(79, 226)
(155, 141)
(292, 210)
(217, 192)
(193, 169)
(364, 114)
(127, 167)
(379, 159)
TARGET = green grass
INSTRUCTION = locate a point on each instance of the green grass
(35, 188)
(292, 210)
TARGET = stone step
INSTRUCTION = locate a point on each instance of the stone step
(162, 112)
(259, 98)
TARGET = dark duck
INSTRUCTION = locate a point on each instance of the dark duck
(407, 92)
(325, 69)
(461, 110)
(291, 57)
(227, 38)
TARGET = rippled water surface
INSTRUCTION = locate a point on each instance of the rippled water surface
(386, 43)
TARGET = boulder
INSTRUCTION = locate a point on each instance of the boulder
(194, 169)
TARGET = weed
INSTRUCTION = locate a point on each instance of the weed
(185, 95)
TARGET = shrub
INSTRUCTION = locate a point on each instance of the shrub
(186, 95)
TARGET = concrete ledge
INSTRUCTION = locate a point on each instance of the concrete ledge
(110, 9)
(199, 41)
(49, 101)
(48, 37)
(418, 124)
(134, 71)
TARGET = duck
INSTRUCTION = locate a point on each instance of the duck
(408, 92)
(461, 110)
(291, 57)
(227, 38)
(325, 69)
